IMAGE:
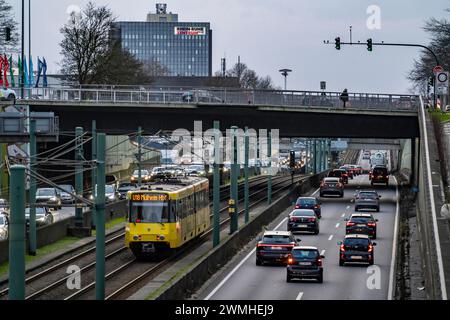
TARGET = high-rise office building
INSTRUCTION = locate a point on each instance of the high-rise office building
(184, 48)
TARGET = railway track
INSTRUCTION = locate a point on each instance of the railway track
(119, 258)
(154, 269)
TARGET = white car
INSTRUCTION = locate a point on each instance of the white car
(3, 227)
(7, 94)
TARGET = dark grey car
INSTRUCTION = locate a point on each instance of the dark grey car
(49, 197)
(367, 200)
(303, 220)
(332, 186)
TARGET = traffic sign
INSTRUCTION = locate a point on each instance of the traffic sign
(438, 69)
(442, 82)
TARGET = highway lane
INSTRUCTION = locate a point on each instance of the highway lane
(250, 282)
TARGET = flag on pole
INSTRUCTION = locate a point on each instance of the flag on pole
(19, 65)
(5, 70)
(11, 72)
(31, 74)
(44, 73)
(39, 72)
(25, 72)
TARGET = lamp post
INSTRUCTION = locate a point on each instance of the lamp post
(285, 73)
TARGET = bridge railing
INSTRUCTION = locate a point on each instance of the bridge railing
(232, 96)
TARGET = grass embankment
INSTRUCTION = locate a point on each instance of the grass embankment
(61, 244)
(443, 117)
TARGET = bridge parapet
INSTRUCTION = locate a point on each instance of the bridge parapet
(222, 96)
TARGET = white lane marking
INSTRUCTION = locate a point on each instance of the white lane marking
(337, 225)
(330, 238)
(237, 267)
(323, 252)
(343, 215)
(394, 247)
(316, 192)
(300, 296)
(348, 207)
(433, 208)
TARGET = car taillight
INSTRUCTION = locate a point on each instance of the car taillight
(350, 224)
(372, 224)
(319, 262)
(312, 219)
(370, 248)
(138, 220)
(297, 207)
(317, 207)
(290, 261)
(342, 248)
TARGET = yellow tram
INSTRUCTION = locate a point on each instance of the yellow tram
(167, 215)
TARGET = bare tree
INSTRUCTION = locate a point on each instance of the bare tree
(86, 42)
(7, 21)
(248, 78)
(440, 44)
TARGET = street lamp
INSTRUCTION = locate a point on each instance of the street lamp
(285, 73)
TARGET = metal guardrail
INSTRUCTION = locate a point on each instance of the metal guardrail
(229, 96)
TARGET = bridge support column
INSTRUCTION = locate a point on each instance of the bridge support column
(306, 157)
(235, 168)
(79, 176)
(269, 179)
(94, 169)
(139, 157)
(17, 234)
(246, 186)
(216, 185)
(32, 191)
(100, 223)
(315, 156)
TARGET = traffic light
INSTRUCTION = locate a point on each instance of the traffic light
(292, 159)
(338, 43)
(431, 81)
(369, 45)
(8, 33)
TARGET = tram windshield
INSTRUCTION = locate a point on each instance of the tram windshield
(149, 208)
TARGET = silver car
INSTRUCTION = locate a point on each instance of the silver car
(43, 216)
(367, 199)
(66, 196)
(3, 226)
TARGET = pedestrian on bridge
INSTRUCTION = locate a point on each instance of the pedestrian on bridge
(344, 97)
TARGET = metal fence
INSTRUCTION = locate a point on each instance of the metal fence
(228, 96)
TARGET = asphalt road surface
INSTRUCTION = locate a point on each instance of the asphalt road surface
(245, 281)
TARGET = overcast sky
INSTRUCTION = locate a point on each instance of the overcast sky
(274, 34)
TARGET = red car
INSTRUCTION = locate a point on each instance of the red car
(341, 174)
(380, 175)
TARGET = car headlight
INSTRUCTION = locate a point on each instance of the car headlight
(53, 199)
(91, 197)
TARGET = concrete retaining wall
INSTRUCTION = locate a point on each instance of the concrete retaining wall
(52, 233)
(218, 257)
